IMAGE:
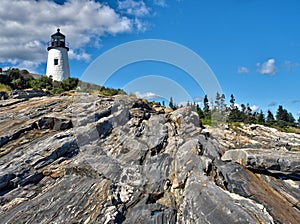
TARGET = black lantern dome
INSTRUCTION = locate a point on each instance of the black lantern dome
(58, 40)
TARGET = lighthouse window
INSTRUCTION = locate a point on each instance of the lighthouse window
(55, 61)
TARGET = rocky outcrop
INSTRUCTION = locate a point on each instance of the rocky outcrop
(266, 160)
(27, 93)
(256, 136)
(96, 159)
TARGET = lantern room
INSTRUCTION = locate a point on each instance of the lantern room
(58, 40)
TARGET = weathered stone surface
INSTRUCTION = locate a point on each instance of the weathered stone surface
(96, 159)
(27, 93)
(265, 159)
(256, 136)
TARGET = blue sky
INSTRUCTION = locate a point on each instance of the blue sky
(252, 46)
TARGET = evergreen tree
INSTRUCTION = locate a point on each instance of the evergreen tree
(248, 109)
(171, 104)
(232, 102)
(261, 118)
(270, 118)
(236, 115)
(291, 119)
(282, 117)
(200, 112)
(205, 103)
(222, 103)
(218, 102)
(299, 121)
(281, 114)
(206, 109)
(243, 107)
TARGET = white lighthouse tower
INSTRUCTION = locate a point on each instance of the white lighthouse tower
(58, 62)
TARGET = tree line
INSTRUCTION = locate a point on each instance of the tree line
(232, 113)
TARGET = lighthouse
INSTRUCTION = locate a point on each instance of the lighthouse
(58, 62)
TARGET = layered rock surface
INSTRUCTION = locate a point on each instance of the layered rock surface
(96, 159)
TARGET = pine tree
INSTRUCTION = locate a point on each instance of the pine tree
(270, 118)
(281, 114)
(282, 117)
(206, 109)
(261, 118)
(205, 103)
(171, 104)
(232, 102)
(248, 109)
(200, 112)
(236, 115)
(217, 102)
(243, 107)
(291, 119)
(222, 103)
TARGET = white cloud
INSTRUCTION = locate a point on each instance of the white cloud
(161, 3)
(147, 95)
(243, 70)
(254, 108)
(26, 27)
(140, 25)
(299, 112)
(267, 68)
(79, 55)
(289, 66)
(134, 8)
(198, 99)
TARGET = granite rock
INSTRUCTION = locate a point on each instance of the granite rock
(95, 159)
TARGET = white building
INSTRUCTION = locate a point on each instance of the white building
(58, 62)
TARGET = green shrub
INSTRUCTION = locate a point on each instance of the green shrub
(56, 90)
(5, 88)
(43, 82)
(70, 84)
(110, 91)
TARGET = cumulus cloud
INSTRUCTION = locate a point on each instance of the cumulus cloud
(147, 95)
(299, 112)
(254, 108)
(79, 55)
(198, 99)
(267, 68)
(243, 70)
(134, 8)
(26, 27)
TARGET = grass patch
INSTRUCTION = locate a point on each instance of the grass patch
(4, 88)
(206, 122)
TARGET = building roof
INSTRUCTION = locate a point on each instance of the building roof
(58, 33)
